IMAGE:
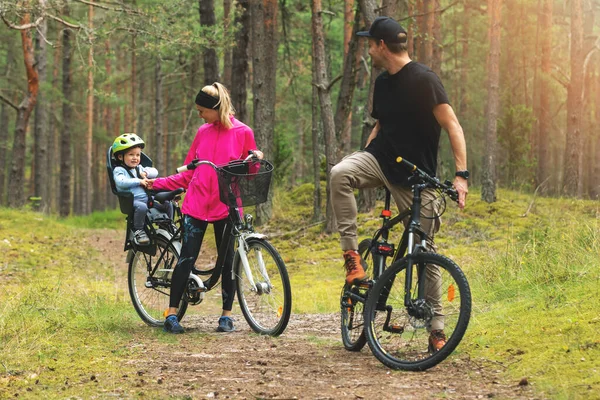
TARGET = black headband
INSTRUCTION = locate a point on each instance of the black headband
(207, 101)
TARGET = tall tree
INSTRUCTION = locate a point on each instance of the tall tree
(488, 187)
(343, 114)
(66, 134)
(367, 197)
(573, 168)
(239, 74)
(208, 20)
(41, 181)
(323, 86)
(158, 114)
(227, 62)
(17, 181)
(264, 66)
(86, 167)
(4, 118)
(543, 137)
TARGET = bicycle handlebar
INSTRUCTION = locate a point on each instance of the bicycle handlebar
(431, 181)
(196, 162)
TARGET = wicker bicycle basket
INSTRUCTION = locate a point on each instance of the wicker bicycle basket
(245, 184)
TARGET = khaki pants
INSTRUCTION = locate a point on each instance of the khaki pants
(361, 170)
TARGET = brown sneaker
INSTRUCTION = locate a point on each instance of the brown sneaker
(437, 340)
(354, 266)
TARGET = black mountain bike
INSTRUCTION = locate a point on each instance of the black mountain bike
(420, 290)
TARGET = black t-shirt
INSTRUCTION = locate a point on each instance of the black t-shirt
(403, 103)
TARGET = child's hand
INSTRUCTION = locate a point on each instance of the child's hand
(145, 182)
(150, 183)
(143, 175)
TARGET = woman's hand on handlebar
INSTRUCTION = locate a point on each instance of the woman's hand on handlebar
(257, 153)
(462, 187)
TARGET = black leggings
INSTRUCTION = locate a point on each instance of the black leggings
(193, 233)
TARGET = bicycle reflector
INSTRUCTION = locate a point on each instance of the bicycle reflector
(386, 213)
(451, 293)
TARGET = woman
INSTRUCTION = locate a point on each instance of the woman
(221, 139)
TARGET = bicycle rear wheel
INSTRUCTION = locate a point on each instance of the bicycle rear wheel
(352, 305)
(267, 307)
(149, 280)
(399, 336)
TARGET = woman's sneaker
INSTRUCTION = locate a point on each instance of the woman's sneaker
(140, 237)
(225, 325)
(172, 325)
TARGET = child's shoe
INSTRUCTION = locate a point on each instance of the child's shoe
(141, 238)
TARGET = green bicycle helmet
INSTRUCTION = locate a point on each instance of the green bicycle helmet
(127, 141)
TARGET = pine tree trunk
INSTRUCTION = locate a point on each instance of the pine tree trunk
(211, 65)
(316, 149)
(4, 120)
(40, 178)
(16, 184)
(320, 59)
(227, 61)
(367, 197)
(107, 114)
(133, 89)
(544, 129)
(343, 112)
(264, 63)
(239, 75)
(66, 134)
(464, 66)
(159, 150)
(573, 182)
(488, 187)
(87, 165)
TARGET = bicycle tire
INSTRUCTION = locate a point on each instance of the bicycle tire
(149, 291)
(268, 309)
(351, 311)
(403, 344)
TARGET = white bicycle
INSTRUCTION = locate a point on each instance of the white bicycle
(263, 285)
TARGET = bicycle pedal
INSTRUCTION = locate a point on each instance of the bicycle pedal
(394, 329)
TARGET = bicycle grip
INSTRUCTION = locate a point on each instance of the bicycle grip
(188, 167)
(410, 166)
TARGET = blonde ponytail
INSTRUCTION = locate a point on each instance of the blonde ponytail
(226, 109)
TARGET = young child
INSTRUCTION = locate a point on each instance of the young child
(130, 176)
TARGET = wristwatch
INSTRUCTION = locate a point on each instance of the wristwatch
(463, 174)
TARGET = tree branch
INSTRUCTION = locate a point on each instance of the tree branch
(65, 23)
(337, 78)
(439, 10)
(23, 27)
(125, 10)
(10, 103)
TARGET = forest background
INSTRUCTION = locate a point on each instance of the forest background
(522, 76)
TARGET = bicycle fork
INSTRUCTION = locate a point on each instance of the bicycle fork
(260, 287)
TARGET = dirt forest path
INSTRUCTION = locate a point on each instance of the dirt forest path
(307, 362)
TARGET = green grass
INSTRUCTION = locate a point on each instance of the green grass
(535, 280)
(57, 315)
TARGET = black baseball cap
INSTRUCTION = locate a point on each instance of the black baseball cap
(386, 29)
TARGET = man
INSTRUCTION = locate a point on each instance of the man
(410, 107)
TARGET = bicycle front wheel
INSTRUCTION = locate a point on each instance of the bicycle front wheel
(267, 304)
(149, 281)
(352, 305)
(400, 335)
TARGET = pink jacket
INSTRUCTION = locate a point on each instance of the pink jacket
(215, 143)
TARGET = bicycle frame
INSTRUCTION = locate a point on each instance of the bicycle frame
(239, 230)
